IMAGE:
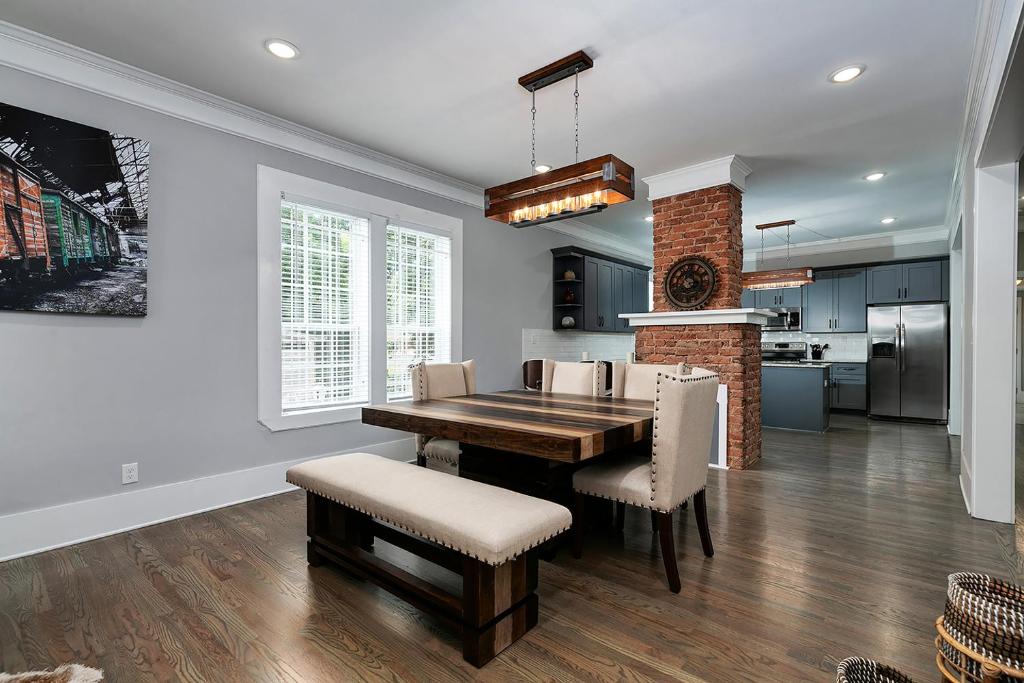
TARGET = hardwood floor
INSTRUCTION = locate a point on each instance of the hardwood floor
(835, 545)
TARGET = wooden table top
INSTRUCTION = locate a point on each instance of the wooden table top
(566, 427)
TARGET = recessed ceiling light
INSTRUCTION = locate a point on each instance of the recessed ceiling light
(649, 219)
(846, 73)
(541, 168)
(887, 220)
(281, 48)
(872, 177)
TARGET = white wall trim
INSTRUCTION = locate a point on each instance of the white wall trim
(56, 60)
(35, 531)
(271, 184)
(938, 234)
(712, 316)
(726, 170)
(601, 238)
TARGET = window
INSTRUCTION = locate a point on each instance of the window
(418, 303)
(353, 288)
(325, 308)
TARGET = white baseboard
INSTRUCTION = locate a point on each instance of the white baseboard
(34, 531)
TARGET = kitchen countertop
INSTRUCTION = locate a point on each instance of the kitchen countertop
(800, 364)
(830, 361)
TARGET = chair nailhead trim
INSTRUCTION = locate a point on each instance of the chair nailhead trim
(441, 542)
(634, 503)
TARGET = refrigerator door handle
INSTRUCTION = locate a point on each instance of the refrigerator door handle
(899, 350)
(903, 348)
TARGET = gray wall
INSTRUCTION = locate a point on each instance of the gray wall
(176, 391)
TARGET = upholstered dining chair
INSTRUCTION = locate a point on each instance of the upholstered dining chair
(573, 378)
(637, 380)
(677, 469)
(441, 380)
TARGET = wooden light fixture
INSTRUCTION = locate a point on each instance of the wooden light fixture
(582, 188)
(777, 279)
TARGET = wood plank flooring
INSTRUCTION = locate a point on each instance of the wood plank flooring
(835, 545)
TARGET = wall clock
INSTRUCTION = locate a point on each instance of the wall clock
(690, 282)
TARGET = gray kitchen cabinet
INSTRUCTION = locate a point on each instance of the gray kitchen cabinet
(818, 301)
(850, 312)
(749, 298)
(597, 288)
(795, 396)
(789, 297)
(849, 390)
(641, 291)
(922, 281)
(622, 296)
(913, 282)
(885, 283)
(590, 290)
(835, 302)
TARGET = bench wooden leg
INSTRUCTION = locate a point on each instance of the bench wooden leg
(499, 605)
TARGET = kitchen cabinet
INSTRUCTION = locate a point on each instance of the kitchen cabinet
(795, 396)
(599, 306)
(599, 289)
(913, 282)
(787, 297)
(748, 299)
(849, 390)
(835, 302)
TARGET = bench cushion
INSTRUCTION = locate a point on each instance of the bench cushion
(485, 522)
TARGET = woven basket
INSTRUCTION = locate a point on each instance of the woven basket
(958, 664)
(860, 670)
(986, 616)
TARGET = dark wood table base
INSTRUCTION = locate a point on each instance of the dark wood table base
(498, 603)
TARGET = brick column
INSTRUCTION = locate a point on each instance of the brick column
(708, 222)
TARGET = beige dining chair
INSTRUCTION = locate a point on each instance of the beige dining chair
(573, 378)
(677, 469)
(441, 380)
(637, 380)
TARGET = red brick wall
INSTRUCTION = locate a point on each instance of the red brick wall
(708, 222)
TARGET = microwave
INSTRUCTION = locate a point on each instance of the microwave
(783, 320)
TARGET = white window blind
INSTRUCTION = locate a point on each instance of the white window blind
(419, 304)
(325, 308)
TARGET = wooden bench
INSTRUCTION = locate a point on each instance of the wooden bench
(484, 533)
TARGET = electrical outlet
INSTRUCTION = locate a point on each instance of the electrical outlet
(130, 473)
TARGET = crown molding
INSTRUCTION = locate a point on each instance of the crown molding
(55, 60)
(731, 170)
(601, 238)
(58, 61)
(984, 78)
(938, 234)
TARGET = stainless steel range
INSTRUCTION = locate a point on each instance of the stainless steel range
(783, 352)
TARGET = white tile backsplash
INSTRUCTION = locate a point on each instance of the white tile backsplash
(844, 348)
(568, 345)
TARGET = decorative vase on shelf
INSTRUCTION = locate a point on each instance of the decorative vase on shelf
(569, 275)
(568, 322)
(570, 297)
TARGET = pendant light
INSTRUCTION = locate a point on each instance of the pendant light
(777, 279)
(582, 188)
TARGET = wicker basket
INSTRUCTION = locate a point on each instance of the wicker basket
(860, 670)
(986, 616)
(959, 664)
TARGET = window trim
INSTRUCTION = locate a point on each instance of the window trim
(270, 184)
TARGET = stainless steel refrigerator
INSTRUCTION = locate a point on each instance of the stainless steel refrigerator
(908, 361)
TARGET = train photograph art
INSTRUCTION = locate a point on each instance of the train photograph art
(73, 236)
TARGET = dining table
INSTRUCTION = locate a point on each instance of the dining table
(526, 440)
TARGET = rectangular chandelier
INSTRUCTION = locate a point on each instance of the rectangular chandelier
(568, 192)
(777, 279)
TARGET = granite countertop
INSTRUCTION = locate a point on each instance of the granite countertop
(801, 364)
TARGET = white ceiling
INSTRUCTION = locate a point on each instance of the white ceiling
(674, 83)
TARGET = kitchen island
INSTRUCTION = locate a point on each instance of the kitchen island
(795, 395)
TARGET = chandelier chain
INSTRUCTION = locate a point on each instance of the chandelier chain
(576, 98)
(533, 130)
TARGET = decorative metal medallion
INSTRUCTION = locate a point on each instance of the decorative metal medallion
(690, 282)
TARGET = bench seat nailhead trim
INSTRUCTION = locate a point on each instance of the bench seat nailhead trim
(446, 544)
